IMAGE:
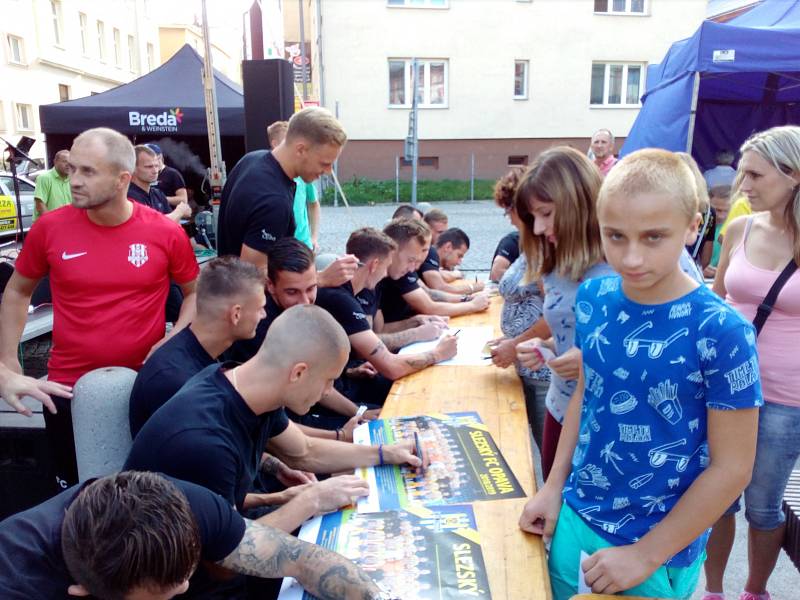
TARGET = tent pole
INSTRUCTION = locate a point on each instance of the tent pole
(693, 112)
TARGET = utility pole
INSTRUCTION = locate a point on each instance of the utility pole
(216, 172)
(303, 58)
(412, 140)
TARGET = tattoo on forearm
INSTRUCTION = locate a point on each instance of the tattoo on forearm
(437, 296)
(377, 349)
(397, 340)
(269, 464)
(420, 361)
(268, 552)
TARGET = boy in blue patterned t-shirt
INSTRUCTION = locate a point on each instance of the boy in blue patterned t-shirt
(660, 435)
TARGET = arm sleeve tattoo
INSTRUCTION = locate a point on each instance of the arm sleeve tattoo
(268, 552)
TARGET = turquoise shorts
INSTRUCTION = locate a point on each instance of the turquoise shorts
(573, 535)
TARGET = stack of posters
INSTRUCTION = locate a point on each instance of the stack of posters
(413, 534)
(465, 464)
(416, 554)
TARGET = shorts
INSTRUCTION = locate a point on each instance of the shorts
(776, 454)
(573, 535)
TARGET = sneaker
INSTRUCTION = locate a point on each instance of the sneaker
(713, 596)
(752, 596)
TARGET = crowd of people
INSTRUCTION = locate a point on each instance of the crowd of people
(655, 399)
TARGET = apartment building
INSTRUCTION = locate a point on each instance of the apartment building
(498, 80)
(55, 50)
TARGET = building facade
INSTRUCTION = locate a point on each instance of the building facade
(498, 80)
(226, 51)
(55, 50)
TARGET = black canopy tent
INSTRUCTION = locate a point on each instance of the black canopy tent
(168, 102)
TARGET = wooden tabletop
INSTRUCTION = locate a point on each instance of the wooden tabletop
(516, 561)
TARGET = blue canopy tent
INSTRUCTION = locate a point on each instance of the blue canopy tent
(724, 83)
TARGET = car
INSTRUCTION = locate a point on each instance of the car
(8, 205)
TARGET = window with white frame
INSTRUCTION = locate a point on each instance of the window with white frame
(131, 54)
(117, 47)
(418, 3)
(16, 50)
(84, 23)
(58, 25)
(24, 113)
(620, 7)
(431, 82)
(101, 41)
(616, 84)
(520, 79)
(151, 58)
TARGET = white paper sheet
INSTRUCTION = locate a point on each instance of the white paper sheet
(583, 587)
(471, 343)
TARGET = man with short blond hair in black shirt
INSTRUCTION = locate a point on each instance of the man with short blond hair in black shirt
(257, 207)
(215, 430)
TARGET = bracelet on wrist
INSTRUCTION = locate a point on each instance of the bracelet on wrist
(338, 433)
(465, 298)
(380, 455)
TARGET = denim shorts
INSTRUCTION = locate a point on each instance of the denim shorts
(776, 454)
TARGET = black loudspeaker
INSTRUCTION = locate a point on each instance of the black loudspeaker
(268, 97)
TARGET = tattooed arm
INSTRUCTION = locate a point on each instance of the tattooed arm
(368, 346)
(268, 552)
(421, 333)
(423, 303)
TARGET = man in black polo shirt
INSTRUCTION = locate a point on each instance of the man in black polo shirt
(257, 207)
(292, 280)
(449, 249)
(170, 181)
(375, 249)
(400, 293)
(507, 252)
(230, 304)
(148, 536)
(143, 190)
(214, 430)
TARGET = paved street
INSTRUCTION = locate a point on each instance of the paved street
(485, 225)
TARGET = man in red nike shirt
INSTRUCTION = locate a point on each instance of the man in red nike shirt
(110, 262)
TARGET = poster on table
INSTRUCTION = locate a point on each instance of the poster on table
(465, 464)
(416, 554)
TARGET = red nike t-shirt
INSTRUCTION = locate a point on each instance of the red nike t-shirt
(109, 285)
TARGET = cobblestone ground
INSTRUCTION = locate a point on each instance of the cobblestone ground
(485, 224)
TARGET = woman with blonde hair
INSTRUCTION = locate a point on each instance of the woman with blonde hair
(759, 253)
(561, 241)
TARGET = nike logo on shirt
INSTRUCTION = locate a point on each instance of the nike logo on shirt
(66, 256)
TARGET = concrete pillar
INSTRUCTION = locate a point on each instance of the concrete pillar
(100, 420)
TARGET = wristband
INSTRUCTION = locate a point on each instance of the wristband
(465, 298)
(380, 455)
(338, 432)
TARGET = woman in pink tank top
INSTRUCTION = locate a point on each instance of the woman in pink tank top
(755, 250)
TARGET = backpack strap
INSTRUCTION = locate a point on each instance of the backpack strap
(765, 308)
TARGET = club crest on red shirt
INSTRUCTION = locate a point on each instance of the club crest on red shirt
(137, 254)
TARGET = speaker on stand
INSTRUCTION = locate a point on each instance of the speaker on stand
(268, 97)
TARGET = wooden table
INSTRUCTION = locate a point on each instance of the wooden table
(515, 561)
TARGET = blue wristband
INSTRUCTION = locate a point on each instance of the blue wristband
(380, 455)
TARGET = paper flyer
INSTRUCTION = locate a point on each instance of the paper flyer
(465, 463)
(471, 344)
(416, 554)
